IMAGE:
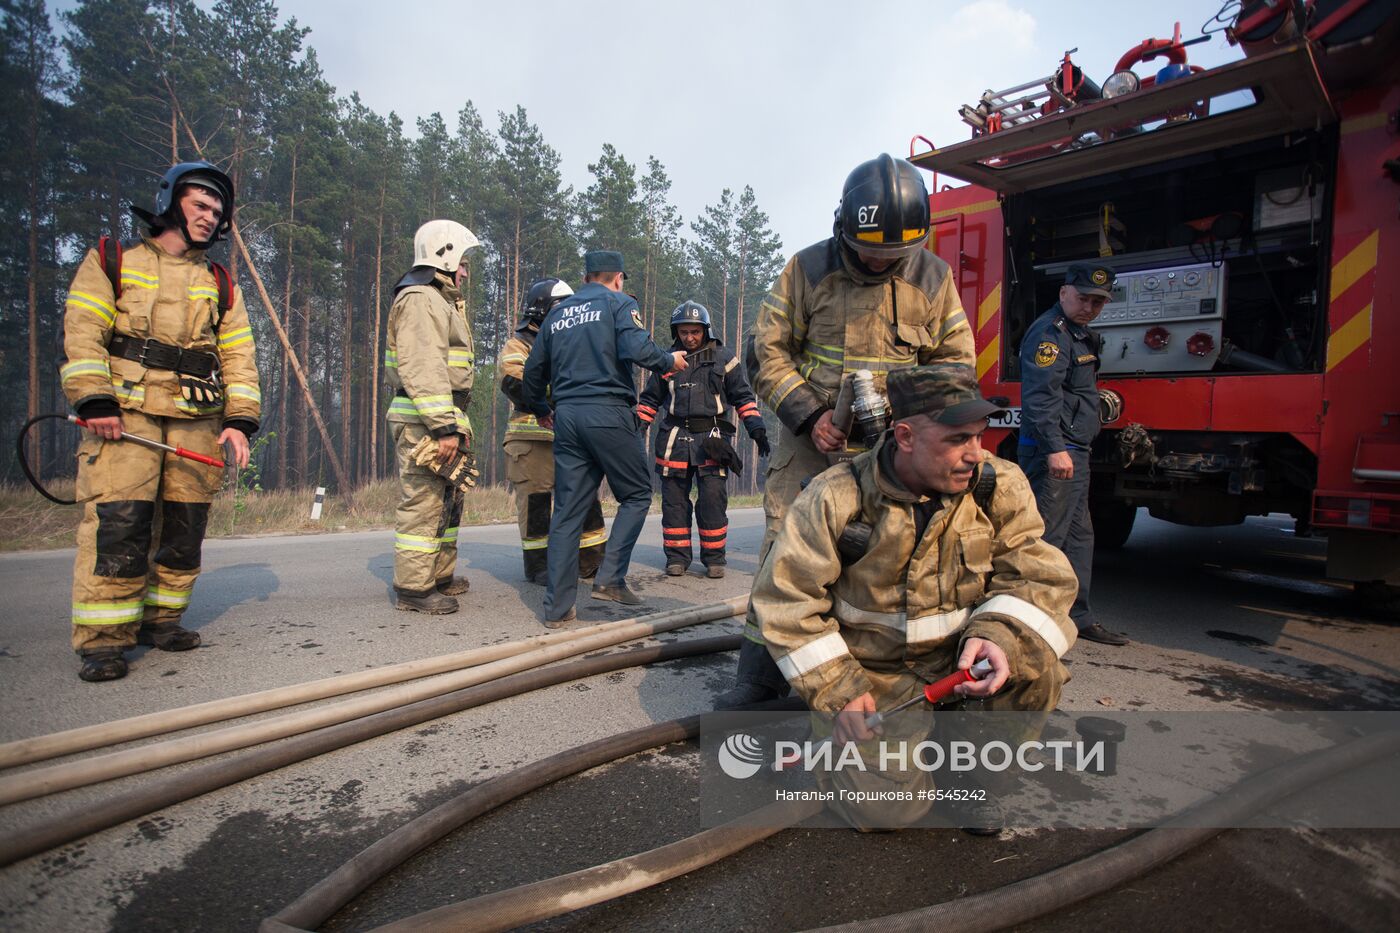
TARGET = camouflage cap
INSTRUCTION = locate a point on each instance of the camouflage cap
(948, 393)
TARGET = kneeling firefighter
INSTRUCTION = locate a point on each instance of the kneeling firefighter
(529, 448)
(429, 362)
(869, 297)
(157, 341)
(694, 439)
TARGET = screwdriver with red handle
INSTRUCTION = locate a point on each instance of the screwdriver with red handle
(933, 693)
(157, 445)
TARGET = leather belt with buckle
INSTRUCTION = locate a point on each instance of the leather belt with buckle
(153, 354)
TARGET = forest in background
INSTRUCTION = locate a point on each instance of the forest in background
(329, 194)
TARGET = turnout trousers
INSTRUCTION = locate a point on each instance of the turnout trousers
(594, 440)
(1064, 507)
(426, 520)
(530, 470)
(711, 505)
(142, 531)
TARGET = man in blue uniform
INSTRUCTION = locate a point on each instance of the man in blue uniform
(582, 362)
(1059, 421)
(694, 438)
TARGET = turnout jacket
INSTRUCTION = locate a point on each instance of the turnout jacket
(825, 317)
(711, 386)
(1059, 387)
(428, 357)
(170, 299)
(523, 425)
(907, 603)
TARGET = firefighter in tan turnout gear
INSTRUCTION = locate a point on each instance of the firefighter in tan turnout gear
(869, 297)
(953, 570)
(157, 342)
(428, 361)
(529, 448)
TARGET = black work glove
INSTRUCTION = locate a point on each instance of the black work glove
(722, 452)
(201, 391)
(760, 438)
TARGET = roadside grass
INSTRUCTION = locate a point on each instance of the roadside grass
(30, 522)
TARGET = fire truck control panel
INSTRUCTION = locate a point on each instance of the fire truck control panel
(1163, 320)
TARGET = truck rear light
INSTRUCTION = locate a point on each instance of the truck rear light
(1200, 344)
(1157, 338)
(1380, 514)
(1385, 514)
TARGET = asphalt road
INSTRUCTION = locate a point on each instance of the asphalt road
(1235, 618)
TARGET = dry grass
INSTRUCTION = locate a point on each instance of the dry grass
(30, 522)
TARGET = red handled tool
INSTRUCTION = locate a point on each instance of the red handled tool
(934, 693)
(157, 445)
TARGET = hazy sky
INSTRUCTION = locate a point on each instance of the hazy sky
(784, 96)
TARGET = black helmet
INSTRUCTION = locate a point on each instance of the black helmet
(692, 312)
(542, 295)
(884, 207)
(167, 213)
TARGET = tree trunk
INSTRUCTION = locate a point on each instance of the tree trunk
(287, 315)
(304, 411)
(36, 458)
(347, 390)
(374, 357)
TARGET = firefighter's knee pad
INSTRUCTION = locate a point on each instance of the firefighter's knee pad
(123, 538)
(182, 534)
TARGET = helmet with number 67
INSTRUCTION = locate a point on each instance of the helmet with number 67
(884, 208)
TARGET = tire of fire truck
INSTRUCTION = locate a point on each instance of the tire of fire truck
(1381, 598)
(1113, 523)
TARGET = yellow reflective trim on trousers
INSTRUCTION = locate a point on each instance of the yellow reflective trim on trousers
(168, 598)
(593, 538)
(75, 368)
(449, 536)
(92, 303)
(391, 359)
(241, 390)
(422, 543)
(534, 544)
(110, 613)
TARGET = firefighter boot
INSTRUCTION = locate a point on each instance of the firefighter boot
(101, 664)
(756, 681)
(432, 602)
(167, 636)
(453, 586)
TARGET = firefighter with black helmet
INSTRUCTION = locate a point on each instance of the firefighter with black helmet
(870, 296)
(694, 441)
(430, 364)
(529, 448)
(157, 341)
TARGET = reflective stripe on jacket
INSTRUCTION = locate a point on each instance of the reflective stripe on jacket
(905, 603)
(428, 354)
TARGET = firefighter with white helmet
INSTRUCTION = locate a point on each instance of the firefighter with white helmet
(870, 296)
(529, 448)
(157, 342)
(429, 362)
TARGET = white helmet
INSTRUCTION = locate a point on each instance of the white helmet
(441, 244)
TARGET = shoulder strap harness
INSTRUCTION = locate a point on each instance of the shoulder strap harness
(110, 249)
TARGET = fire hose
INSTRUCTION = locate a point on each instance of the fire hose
(997, 909)
(48, 780)
(22, 451)
(76, 822)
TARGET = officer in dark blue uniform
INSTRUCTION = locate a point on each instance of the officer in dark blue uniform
(1060, 419)
(581, 363)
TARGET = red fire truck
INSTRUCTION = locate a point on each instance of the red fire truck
(1251, 211)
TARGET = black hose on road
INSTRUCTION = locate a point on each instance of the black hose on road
(1023, 901)
(77, 822)
(321, 902)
